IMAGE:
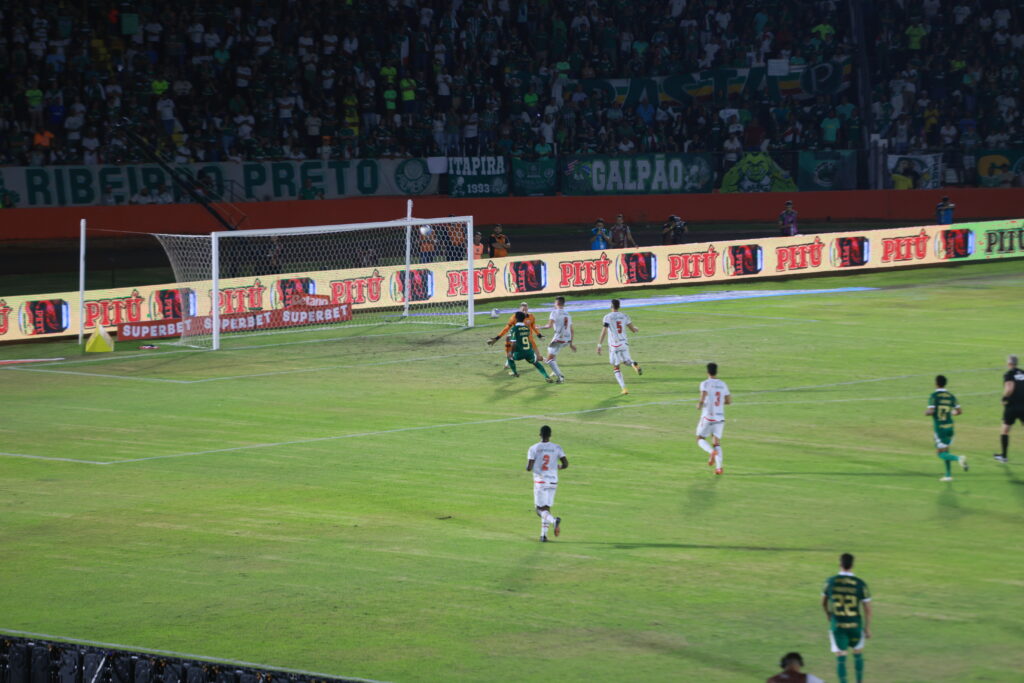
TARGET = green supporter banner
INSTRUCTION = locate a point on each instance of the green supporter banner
(477, 177)
(533, 178)
(757, 172)
(638, 174)
(1000, 168)
(800, 81)
(252, 181)
(836, 170)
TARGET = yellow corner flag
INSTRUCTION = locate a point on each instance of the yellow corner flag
(99, 342)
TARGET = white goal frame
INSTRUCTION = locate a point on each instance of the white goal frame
(409, 223)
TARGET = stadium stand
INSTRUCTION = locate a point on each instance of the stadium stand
(219, 81)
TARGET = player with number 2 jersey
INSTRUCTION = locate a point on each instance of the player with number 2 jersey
(544, 459)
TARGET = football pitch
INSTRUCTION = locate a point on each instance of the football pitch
(354, 502)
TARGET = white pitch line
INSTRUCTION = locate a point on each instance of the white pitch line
(382, 432)
(49, 457)
(181, 655)
(101, 375)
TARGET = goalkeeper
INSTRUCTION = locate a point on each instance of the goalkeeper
(524, 348)
(529, 321)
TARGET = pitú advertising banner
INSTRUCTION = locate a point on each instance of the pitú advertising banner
(637, 174)
(339, 295)
(250, 181)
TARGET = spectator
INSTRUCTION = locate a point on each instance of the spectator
(944, 212)
(163, 196)
(500, 243)
(674, 230)
(478, 246)
(621, 235)
(108, 198)
(792, 664)
(599, 235)
(142, 196)
(309, 192)
(787, 220)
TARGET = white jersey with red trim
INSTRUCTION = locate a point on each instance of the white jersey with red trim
(714, 402)
(545, 456)
(562, 324)
(617, 322)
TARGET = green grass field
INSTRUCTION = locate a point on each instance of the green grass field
(357, 505)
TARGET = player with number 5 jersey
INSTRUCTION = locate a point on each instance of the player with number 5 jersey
(714, 397)
(614, 327)
(544, 459)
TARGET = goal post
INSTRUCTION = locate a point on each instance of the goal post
(240, 282)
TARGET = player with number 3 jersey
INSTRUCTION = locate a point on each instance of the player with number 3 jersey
(614, 326)
(544, 459)
(562, 336)
(714, 397)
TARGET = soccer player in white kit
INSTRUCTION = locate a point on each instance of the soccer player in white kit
(614, 326)
(544, 459)
(714, 396)
(563, 336)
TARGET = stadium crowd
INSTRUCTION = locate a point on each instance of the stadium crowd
(280, 79)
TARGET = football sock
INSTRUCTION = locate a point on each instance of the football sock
(858, 666)
(705, 446)
(540, 368)
(1004, 441)
(511, 364)
(948, 457)
(618, 378)
(548, 517)
(718, 459)
(544, 528)
(946, 463)
(554, 367)
(841, 668)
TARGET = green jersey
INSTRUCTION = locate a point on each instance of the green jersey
(944, 403)
(846, 594)
(519, 335)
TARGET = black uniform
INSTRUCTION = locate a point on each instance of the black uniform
(1014, 404)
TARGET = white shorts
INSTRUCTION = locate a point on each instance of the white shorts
(706, 428)
(544, 494)
(619, 355)
(556, 346)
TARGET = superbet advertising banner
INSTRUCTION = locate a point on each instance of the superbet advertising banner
(341, 294)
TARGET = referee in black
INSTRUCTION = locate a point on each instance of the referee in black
(1013, 403)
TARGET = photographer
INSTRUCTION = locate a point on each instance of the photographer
(674, 230)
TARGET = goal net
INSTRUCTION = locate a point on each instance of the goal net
(259, 281)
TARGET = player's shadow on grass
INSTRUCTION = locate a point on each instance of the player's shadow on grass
(1016, 482)
(701, 497)
(948, 505)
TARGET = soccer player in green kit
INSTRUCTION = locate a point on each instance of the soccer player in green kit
(523, 347)
(847, 604)
(942, 406)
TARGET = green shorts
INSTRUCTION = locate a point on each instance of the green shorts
(844, 639)
(943, 437)
(528, 356)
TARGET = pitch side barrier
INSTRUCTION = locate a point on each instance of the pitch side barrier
(140, 312)
(27, 660)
